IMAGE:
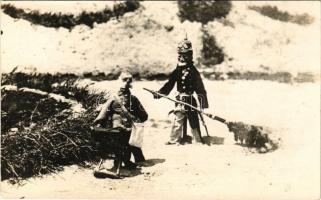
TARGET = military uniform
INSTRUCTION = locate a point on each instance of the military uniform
(113, 114)
(188, 81)
(120, 112)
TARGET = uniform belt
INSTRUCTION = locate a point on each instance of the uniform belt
(184, 97)
(183, 94)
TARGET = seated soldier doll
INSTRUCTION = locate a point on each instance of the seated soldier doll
(121, 111)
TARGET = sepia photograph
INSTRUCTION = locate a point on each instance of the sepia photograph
(208, 99)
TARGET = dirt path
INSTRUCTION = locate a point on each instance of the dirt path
(225, 171)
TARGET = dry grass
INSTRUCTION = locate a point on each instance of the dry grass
(253, 136)
(40, 134)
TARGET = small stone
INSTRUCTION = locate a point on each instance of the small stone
(268, 146)
(262, 150)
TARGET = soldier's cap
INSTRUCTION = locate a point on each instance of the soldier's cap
(125, 76)
(184, 46)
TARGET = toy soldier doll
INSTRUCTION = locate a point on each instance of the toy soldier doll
(120, 112)
(188, 81)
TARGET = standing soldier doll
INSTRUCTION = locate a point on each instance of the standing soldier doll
(188, 81)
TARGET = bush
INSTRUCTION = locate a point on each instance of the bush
(41, 81)
(203, 11)
(69, 21)
(54, 138)
(211, 53)
(274, 13)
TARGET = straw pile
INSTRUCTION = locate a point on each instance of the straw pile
(253, 136)
(40, 133)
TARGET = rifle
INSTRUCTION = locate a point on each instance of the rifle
(222, 120)
(238, 128)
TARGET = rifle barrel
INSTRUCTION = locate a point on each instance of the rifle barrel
(186, 104)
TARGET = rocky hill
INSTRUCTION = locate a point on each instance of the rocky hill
(254, 37)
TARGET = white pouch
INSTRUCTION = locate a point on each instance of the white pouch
(137, 135)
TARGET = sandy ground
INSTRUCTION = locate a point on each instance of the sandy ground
(221, 171)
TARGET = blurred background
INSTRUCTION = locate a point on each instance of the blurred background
(274, 40)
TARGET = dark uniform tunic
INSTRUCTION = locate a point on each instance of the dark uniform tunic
(113, 115)
(188, 81)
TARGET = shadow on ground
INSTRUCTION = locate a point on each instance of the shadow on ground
(106, 174)
(152, 162)
(213, 140)
(111, 173)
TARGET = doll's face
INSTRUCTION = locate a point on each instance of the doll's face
(126, 83)
(185, 57)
